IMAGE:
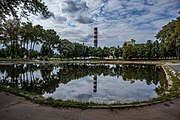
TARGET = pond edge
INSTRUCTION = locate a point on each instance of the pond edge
(173, 93)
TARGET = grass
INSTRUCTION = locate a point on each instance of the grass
(10, 59)
(70, 59)
(173, 92)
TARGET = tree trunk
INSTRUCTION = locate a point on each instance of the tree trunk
(178, 53)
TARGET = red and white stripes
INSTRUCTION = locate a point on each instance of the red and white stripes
(95, 83)
(95, 37)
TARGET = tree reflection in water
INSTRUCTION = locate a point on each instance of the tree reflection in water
(45, 78)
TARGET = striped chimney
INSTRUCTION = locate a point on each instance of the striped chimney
(95, 83)
(95, 37)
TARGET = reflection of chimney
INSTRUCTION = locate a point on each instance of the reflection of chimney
(95, 83)
(95, 37)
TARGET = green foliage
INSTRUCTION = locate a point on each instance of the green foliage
(9, 7)
(67, 49)
(10, 29)
(22, 38)
(170, 36)
(169, 33)
(150, 50)
(50, 39)
(3, 53)
(34, 54)
(128, 52)
(46, 51)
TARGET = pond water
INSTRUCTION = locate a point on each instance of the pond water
(99, 83)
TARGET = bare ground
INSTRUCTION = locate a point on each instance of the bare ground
(16, 108)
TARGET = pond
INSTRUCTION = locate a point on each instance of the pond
(99, 83)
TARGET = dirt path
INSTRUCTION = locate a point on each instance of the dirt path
(16, 108)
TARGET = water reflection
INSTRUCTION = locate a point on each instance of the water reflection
(95, 83)
(116, 83)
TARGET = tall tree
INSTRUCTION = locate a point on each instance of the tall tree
(50, 39)
(26, 35)
(10, 30)
(170, 36)
(155, 49)
(149, 47)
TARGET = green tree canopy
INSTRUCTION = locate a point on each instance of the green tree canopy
(170, 35)
(10, 8)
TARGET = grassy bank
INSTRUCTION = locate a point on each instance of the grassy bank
(98, 60)
(13, 61)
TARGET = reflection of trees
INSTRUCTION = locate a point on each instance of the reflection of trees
(163, 83)
(10, 72)
(52, 75)
(50, 81)
(140, 72)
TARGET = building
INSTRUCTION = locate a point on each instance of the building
(130, 43)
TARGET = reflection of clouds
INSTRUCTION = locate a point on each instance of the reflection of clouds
(37, 74)
(109, 90)
(84, 97)
(72, 89)
(2, 75)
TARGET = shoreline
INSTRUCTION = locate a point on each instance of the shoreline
(169, 95)
(83, 62)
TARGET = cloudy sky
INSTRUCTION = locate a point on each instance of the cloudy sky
(117, 20)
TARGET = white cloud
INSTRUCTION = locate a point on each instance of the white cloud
(117, 20)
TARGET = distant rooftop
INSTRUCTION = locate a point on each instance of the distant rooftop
(130, 43)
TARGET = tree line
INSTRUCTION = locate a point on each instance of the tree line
(20, 39)
(149, 50)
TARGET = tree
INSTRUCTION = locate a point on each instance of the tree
(37, 36)
(106, 52)
(162, 50)
(3, 53)
(65, 47)
(133, 40)
(155, 49)
(45, 51)
(128, 52)
(118, 52)
(10, 7)
(26, 35)
(149, 47)
(50, 38)
(177, 34)
(10, 29)
(169, 35)
(140, 50)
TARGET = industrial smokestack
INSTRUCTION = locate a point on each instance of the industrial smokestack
(95, 37)
(95, 83)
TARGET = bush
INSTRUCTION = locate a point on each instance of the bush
(45, 58)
